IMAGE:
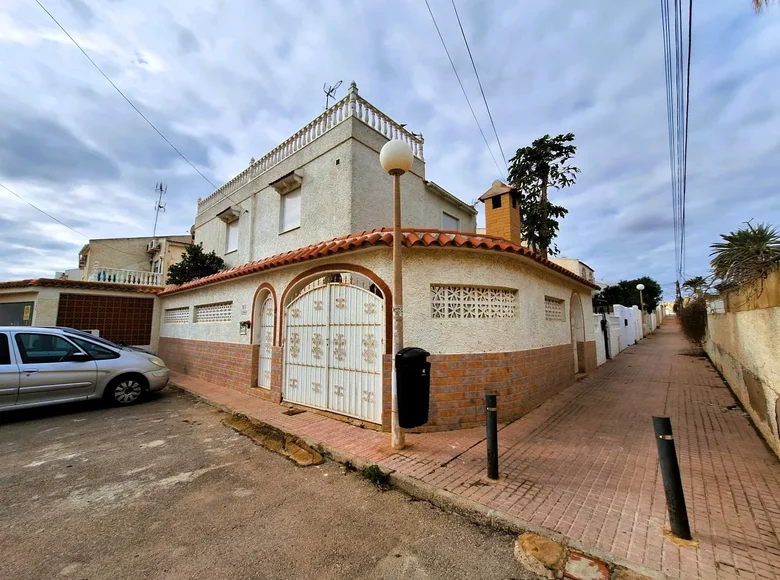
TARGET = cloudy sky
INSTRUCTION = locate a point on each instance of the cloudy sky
(226, 81)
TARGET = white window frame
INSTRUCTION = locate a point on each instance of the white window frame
(290, 225)
(444, 216)
(231, 227)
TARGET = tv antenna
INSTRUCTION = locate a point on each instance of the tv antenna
(330, 92)
(160, 189)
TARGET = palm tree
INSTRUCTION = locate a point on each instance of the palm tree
(759, 5)
(696, 285)
(747, 255)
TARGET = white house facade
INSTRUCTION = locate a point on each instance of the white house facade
(303, 314)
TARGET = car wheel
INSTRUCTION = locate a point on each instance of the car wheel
(125, 390)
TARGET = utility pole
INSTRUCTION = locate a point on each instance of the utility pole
(160, 189)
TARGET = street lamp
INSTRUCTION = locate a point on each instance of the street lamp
(396, 158)
(641, 287)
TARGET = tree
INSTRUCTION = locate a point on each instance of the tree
(532, 171)
(625, 293)
(746, 255)
(697, 285)
(195, 263)
(759, 5)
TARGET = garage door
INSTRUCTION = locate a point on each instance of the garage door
(334, 340)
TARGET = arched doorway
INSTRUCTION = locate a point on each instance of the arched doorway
(577, 323)
(334, 329)
(263, 327)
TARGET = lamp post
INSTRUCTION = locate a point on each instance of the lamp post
(641, 287)
(396, 158)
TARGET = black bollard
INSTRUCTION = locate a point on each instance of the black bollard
(491, 423)
(670, 471)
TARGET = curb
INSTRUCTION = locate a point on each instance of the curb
(448, 501)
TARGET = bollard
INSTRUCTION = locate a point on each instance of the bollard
(670, 472)
(491, 423)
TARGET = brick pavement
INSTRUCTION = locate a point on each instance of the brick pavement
(584, 463)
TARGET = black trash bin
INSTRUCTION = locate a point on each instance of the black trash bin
(413, 378)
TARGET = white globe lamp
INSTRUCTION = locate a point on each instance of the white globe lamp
(396, 157)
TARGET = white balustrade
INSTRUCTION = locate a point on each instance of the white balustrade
(351, 105)
(117, 276)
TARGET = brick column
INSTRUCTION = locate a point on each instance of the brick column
(276, 373)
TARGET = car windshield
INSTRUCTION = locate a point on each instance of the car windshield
(98, 339)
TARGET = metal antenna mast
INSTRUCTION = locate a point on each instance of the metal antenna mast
(330, 92)
(160, 189)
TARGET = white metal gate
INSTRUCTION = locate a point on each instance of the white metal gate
(334, 340)
(266, 341)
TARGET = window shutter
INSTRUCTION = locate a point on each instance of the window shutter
(291, 210)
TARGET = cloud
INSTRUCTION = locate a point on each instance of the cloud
(38, 149)
(229, 81)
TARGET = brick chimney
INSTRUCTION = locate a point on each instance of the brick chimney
(502, 216)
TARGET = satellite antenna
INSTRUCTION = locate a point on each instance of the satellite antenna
(330, 92)
(160, 189)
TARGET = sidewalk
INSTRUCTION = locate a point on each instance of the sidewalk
(584, 464)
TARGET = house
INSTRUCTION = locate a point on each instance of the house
(303, 314)
(125, 313)
(143, 260)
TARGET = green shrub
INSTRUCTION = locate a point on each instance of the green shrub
(693, 320)
(375, 475)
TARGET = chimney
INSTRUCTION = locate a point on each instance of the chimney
(502, 216)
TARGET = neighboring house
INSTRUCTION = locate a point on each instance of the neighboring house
(72, 274)
(120, 312)
(304, 314)
(576, 266)
(143, 260)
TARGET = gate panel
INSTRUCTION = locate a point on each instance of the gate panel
(306, 349)
(355, 362)
(266, 334)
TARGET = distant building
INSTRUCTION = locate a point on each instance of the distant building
(143, 260)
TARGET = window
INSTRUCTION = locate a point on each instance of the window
(5, 352)
(291, 211)
(472, 302)
(222, 312)
(553, 308)
(449, 222)
(496, 201)
(231, 244)
(95, 351)
(177, 315)
(44, 348)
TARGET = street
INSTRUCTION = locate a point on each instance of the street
(164, 490)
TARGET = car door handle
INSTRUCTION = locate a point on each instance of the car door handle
(30, 371)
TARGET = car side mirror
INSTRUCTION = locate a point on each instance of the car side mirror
(79, 357)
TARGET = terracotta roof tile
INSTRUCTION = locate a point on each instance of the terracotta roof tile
(384, 236)
(80, 284)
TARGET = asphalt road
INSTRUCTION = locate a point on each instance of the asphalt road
(164, 490)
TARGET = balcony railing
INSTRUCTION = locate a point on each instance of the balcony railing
(351, 105)
(117, 276)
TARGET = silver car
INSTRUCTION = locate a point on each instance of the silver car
(43, 366)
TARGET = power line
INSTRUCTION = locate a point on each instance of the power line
(479, 81)
(687, 106)
(62, 223)
(677, 77)
(457, 76)
(129, 102)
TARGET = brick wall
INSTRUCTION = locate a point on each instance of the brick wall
(221, 363)
(522, 380)
(118, 318)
